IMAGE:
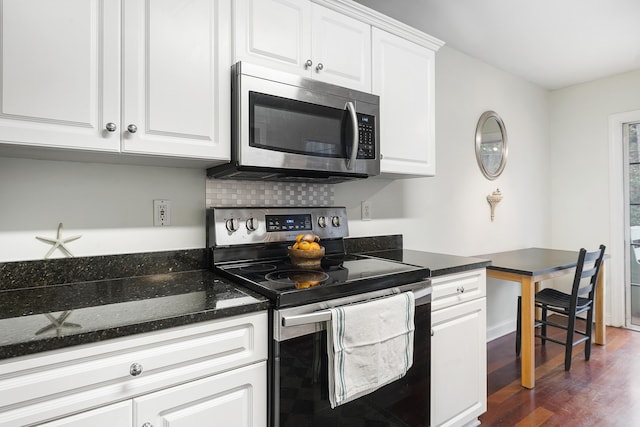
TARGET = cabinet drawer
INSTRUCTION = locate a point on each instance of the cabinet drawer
(234, 398)
(60, 382)
(456, 288)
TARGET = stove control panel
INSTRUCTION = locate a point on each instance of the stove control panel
(238, 226)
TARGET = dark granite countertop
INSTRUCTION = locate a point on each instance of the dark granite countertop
(439, 264)
(53, 304)
(390, 247)
(48, 316)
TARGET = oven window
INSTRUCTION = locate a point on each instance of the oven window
(292, 126)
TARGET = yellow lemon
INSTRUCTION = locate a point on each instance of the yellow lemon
(304, 245)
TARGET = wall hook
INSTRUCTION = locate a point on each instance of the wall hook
(493, 199)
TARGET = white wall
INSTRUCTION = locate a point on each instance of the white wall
(111, 206)
(449, 213)
(580, 171)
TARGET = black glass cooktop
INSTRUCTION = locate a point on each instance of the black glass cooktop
(337, 276)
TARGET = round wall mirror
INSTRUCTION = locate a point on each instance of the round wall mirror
(491, 144)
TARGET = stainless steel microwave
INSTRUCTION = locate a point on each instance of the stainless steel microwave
(289, 128)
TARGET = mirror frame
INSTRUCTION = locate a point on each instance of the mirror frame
(505, 150)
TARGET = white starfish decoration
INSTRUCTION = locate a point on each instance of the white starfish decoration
(59, 242)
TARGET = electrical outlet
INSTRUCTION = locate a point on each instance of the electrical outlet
(367, 215)
(161, 212)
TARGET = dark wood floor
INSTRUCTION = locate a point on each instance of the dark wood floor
(605, 391)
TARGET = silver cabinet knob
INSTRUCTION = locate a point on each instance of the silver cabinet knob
(147, 424)
(135, 369)
(308, 64)
(111, 127)
(319, 67)
(132, 128)
(432, 332)
(460, 289)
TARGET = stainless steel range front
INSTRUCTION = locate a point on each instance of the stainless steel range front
(250, 246)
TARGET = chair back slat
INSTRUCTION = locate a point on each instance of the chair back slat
(588, 267)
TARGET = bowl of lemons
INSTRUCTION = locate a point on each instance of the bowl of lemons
(306, 251)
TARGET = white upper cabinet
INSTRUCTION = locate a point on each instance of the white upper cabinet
(176, 80)
(306, 39)
(274, 33)
(60, 79)
(62, 63)
(341, 49)
(403, 76)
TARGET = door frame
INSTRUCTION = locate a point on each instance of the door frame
(618, 225)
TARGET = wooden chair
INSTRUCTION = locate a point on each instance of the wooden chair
(580, 300)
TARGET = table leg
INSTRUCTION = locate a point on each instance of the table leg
(538, 309)
(600, 337)
(527, 358)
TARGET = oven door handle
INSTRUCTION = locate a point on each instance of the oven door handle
(325, 315)
(305, 319)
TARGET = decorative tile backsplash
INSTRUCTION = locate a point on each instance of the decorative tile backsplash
(226, 192)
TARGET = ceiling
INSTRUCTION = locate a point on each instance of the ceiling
(552, 43)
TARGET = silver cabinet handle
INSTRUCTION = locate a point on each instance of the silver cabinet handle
(308, 64)
(354, 144)
(432, 332)
(132, 128)
(111, 127)
(460, 289)
(135, 369)
(319, 67)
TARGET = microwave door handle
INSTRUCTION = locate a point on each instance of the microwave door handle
(354, 144)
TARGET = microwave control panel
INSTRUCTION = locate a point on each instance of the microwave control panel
(367, 136)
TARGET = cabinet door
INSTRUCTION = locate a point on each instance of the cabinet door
(59, 82)
(176, 84)
(274, 33)
(118, 414)
(236, 398)
(341, 49)
(403, 76)
(458, 363)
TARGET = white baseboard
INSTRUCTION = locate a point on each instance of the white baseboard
(504, 328)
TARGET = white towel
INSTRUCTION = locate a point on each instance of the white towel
(369, 345)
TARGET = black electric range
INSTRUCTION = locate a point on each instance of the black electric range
(249, 245)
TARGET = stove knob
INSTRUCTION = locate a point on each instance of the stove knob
(335, 220)
(252, 224)
(232, 224)
(322, 221)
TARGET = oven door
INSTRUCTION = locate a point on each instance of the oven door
(301, 124)
(299, 389)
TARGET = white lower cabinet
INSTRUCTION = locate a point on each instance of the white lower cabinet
(117, 414)
(184, 376)
(458, 349)
(232, 399)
